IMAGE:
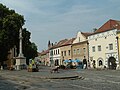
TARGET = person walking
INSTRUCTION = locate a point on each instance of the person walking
(84, 63)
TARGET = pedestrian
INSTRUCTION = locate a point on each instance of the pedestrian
(84, 63)
(88, 65)
(94, 65)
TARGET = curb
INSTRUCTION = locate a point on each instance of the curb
(67, 77)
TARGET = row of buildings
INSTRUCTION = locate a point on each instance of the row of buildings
(100, 48)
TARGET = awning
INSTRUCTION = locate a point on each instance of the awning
(76, 60)
(67, 60)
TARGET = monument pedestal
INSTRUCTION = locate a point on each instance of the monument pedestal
(20, 63)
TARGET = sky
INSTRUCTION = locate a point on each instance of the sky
(55, 20)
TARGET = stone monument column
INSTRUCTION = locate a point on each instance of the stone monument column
(20, 60)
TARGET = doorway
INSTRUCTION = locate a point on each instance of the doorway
(112, 63)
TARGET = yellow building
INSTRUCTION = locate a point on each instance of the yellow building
(66, 50)
(79, 50)
(80, 46)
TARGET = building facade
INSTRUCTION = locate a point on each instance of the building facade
(44, 57)
(80, 46)
(55, 53)
(66, 50)
(103, 46)
(118, 41)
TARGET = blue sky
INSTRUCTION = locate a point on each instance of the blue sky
(59, 19)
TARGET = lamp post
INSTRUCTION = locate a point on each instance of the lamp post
(62, 60)
(88, 61)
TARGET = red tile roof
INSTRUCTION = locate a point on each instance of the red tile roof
(109, 25)
(63, 42)
(68, 42)
(60, 43)
(44, 52)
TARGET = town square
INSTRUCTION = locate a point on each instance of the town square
(44, 80)
(59, 45)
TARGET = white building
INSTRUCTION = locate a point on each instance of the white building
(103, 46)
(55, 53)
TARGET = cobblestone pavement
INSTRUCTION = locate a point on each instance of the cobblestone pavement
(91, 80)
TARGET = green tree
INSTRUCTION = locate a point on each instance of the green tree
(30, 52)
(94, 29)
(29, 49)
(10, 24)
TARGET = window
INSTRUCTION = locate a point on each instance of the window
(51, 53)
(74, 51)
(69, 52)
(64, 53)
(78, 51)
(79, 39)
(110, 46)
(99, 48)
(58, 51)
(54, 52)
(84, 50)
(93, 48)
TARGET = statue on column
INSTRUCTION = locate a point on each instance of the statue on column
(20, 60)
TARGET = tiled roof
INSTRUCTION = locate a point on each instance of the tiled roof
(109, 25)
(86, 34)
(63, 42)
(68, 42)
(60, 43)
(44, 52)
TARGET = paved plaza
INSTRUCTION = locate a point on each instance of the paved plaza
(64, 80)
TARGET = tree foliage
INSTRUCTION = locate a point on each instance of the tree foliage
(94, 29)
(10, 23)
